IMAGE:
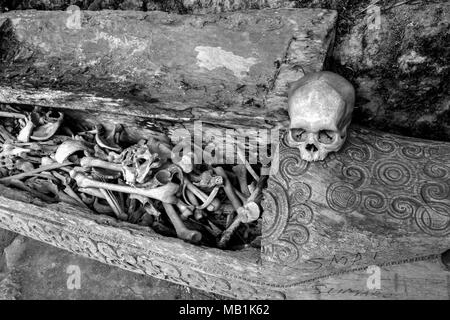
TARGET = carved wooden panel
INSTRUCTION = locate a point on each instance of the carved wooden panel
(133, 248)
(381, 198)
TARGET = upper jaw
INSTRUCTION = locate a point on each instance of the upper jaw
(310, 156)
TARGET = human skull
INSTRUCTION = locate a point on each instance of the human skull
(320, 108)
(138, 162)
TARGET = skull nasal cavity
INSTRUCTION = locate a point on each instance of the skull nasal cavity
(311, 147)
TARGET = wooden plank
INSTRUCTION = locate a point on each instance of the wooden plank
(382, 199)
(134, 248)
(223, 68)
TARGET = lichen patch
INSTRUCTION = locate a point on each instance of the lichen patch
(215, 57)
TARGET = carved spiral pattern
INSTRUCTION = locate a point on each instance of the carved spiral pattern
(293, 165)
(342, 197)
(434, 219)
(290, 162)
(385, 145)
(436, 170)
(402, 207)
(296, 235)
(285, 201)
(358, 153)
(284, 252)
(299, 192)
(276, 208)
(388, 184)
(374, 202)
(435, 191)
(357, 175)
(393, 174)
(412, 151)
(301, 214)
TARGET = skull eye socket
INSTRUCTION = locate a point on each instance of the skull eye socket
(297, 134)
(141, 161)
(326, 136)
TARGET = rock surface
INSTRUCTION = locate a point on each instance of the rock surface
(400, 66)
(177, 6)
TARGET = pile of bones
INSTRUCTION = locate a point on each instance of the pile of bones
(137, 183)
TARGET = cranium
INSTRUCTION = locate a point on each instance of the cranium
(138, 162)
(320, 107)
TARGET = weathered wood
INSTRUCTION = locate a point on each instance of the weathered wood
(324, 223)
(332, 263)
(381, 198)
(223, 69)
(160, 90)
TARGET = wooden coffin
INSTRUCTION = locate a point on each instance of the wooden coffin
(383, 200)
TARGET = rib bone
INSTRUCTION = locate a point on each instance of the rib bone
(215, 203)
(198, 213)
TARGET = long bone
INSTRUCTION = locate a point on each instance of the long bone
(241, 173)
(21, 185)
(165, 193)
(241, 155)
(5, 135)
(165, 176)
(10, 150)
(92, 192)
(112, 200)
(210, 202)
(102, 208)
(68, 189)
(186, 162)
(94, 162)
(246, 213)
(228, 188)
(198, 213)
(181, 230)
(4, 114)
(49, 167)
(25, 132)
(186, 212)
